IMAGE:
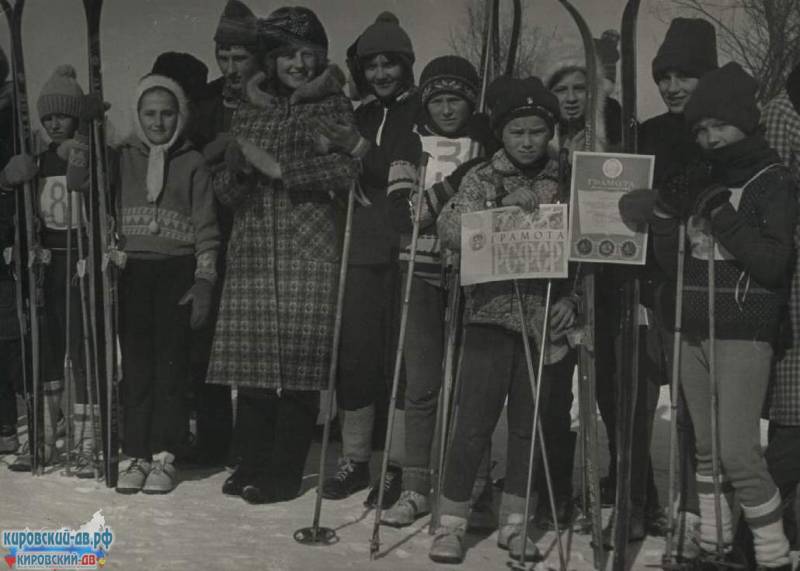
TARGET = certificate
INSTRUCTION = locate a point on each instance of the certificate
(509, 243)
(598, 233)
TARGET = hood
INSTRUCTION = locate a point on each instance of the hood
(152, 81)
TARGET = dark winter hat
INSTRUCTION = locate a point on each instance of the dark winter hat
(793, 87)
(690, 46)
(524, 97)
(450, 74)
(61, 93)
(727, 94)
(608, 53)
(292, 25)
(385, 36)
(496, 88)
(186, 70)
(237, 26)
(3, 66)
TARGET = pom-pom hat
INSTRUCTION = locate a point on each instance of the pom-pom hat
(61, 94)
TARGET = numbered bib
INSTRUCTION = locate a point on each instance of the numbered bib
(53, 203)
(445, 156)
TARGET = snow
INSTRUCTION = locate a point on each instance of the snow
(196, 527)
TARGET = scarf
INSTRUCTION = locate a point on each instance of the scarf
(733, 165)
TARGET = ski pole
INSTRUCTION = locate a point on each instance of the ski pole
(92, 378)
(712, 378)
(536, 390)
(68, 379)
(669, 557)
(316, 534)
(375, 543)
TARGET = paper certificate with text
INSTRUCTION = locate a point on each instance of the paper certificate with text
(509, 243)
(598, 233)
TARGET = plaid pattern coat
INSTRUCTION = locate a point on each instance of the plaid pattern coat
(782, 125)
(276, 316)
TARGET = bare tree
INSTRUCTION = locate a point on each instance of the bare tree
(534, 43)
(762, 35)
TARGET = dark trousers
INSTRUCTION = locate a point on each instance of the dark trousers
(154, 335)
(276, 433)
(366, 319)
(10, 380)
(212, 402)
(55, 294)
(651, 368)
(493, 368)
(556, 426)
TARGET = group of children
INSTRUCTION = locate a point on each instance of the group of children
(229, 200)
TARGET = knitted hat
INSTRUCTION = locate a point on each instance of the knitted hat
(292, 25)
(727, 94)
(690, 46)
(4, 69)
(237, 26)
(61, 94)
(793, 87)
(522, 98)
(185, 69)
(385, 36)
(450, 74)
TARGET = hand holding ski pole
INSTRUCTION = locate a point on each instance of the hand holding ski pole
(19, 170)
(562, 316)
(199, 295)
(710, 200)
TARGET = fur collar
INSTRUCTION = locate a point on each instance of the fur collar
(329, 82)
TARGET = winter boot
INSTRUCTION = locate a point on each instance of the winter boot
(259, 490)
(448, 544)
(351, 477)
(236, 482)
(86, 457)
(8, 439)
(410, 507)
(769, 541)
(163, 476)
(511, 530)
(132, 479)
(392, 486)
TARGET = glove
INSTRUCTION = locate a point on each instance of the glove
(677, 195)
(199, 295)
(710, 199)
(235, 159)
(636, 207)
(19, 170)
(214, 152)
(93, 108)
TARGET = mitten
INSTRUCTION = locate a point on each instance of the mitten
(214, 152)
(19, 170)
(636, 206)
(710, 199)
(199, 295)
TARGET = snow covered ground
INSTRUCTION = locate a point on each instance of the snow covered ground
(196, 527)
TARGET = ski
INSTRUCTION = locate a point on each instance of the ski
(627, 378)
(103, 256)
(587, 391)
(32, 255)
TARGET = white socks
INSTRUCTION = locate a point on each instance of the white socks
(769, 540)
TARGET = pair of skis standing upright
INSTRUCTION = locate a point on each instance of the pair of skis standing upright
(96, 270)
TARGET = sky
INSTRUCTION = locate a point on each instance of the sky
(134, 32)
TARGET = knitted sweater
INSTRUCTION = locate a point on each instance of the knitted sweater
(184, 211)
(495, 303)
(755, 245)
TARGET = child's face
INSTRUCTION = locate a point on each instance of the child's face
(158, 115)
(675, 88)
(384, 76)
(237, 64)
(449, 112)
(571, 94)
(525, 139)
(295, 67)
(714, 134)
(59, 127)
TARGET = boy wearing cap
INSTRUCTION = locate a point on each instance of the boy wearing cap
(520, 174)
(447, 131)
(750, 210)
